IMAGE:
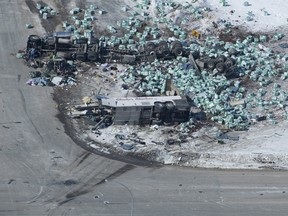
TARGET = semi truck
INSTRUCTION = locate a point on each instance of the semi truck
(64, 44)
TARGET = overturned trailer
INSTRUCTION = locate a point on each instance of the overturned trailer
(165, 110)
(148, 110)
(64, 44)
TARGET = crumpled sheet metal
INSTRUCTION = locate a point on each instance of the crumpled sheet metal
(38, 81)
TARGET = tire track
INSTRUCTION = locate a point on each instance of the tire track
(78, 161)
(30, 120)
(88, 184)
(83, 190)
(78, 174)
(86, 155)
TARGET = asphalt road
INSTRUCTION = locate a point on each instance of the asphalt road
(43, 172)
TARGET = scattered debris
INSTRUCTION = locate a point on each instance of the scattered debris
(20, 55)
(228, 136)
(246, 4)
(45, 10)
(127, 146)
(29, 26)
(56, 80)
(230, 85)
(38, 81)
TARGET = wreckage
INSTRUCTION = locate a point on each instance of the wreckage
(63, 44)
(165, 110)
(62, 47)
(66, 46)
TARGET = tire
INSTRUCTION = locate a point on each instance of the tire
(152, 53)
(229, 62)
(175, 44)
(220, 67)
(178, 51)
(221, 59)
(162, 45)
(232, 72)
(92, 56)
(169, 105)
(164, 52)
(34, 38)
(211, 64)
(159, 105)
(150, 46)
(81, 56)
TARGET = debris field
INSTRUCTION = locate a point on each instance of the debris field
(161, 86)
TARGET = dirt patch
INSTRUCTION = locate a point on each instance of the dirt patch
(31, 5)
(52, 22)
(236, 33)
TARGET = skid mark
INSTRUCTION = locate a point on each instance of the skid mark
(25, 110)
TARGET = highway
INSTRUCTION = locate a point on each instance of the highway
(43, 172)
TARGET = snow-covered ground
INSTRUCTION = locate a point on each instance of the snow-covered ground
(266, 15)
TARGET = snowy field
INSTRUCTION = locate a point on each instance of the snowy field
(266, 15)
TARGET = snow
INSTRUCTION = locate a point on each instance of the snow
(237, 13)
(262, 144)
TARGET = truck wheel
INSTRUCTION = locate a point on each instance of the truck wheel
(164, 51)
(81, 56)
(150, 46)
(229, 62)
(221, 58)
(211, 64)
(34, 38)
(159, 105)
(178, 51)
(175, 44)
(92, 56)
(152, 53)
(169, 105)
(163, 45)
(220, 67)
